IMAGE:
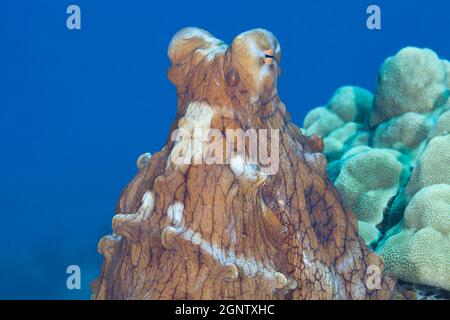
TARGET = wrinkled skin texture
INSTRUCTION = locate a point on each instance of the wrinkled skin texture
(280, 236)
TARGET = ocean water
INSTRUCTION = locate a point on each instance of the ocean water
(77, 107)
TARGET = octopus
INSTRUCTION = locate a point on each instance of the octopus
(230, 225)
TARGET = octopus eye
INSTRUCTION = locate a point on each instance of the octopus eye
(268, 56)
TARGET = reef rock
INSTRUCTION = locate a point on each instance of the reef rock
(391, 159)
(220, 224)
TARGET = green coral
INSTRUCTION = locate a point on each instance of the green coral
(433, 166)
(404, 133)
(368, 232)
(351, 103)
(442, 126)
(414, 80)
(321, 121)
(342, 122)
(368, 179)
(419, 249)
(389, 156)
(447, 68)
(430, 207)
(336, 142)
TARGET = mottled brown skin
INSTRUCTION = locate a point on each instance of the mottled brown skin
(293, 222)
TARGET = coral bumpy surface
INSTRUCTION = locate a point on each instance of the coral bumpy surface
(389, 156)
(233, 230)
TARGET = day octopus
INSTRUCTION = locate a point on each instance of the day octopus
(231, 225)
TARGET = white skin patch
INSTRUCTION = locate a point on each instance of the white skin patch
(211, 52)
(144, 160)
(269, 36)
(198, 114)
(320, 269)
(175, 214)
(212, 46)
(126, 224)
(148, 202)
(192, 135)
(189, 33)
(144, 211)
(249, 265)
(243, 169)
(258, 53)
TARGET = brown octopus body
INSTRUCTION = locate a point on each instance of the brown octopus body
(196, 230)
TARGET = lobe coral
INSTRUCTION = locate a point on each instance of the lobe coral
(389, 156)
(189, 226)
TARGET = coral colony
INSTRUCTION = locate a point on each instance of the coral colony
(389, 156)
(240, 203)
